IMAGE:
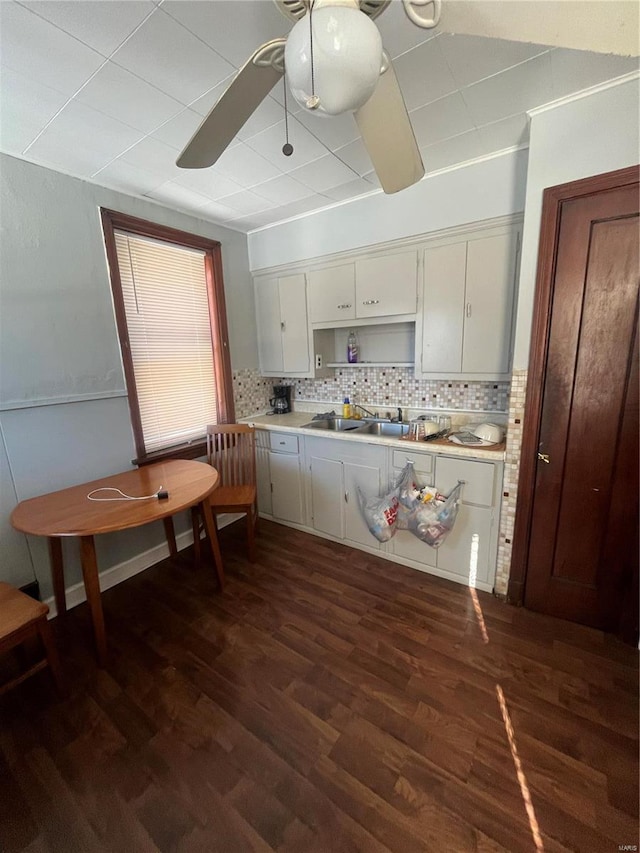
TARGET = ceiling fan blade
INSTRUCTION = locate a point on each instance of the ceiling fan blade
(248, 89)
(388, 136)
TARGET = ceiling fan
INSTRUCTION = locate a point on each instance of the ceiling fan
(335, 63)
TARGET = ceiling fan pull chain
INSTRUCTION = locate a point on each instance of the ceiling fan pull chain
(287, 148)
(314, 101)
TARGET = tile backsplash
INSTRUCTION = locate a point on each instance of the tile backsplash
(373, 386)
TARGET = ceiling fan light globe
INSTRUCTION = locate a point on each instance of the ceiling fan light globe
(347, 58)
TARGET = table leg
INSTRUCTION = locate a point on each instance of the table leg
(212, 534)
(92, 589)
(170, 533)
(57, 574)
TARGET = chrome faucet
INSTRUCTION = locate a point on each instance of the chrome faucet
(366, 411)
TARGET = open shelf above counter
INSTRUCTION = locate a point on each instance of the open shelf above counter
(371, 364)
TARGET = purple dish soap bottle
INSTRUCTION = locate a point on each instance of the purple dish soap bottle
(352, 348)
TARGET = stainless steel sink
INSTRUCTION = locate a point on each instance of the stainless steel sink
(387, 428)
(336, 425)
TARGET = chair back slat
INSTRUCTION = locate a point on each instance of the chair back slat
(231, 451)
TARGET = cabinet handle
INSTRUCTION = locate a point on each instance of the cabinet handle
(347, 305)
(468, 311)
(282, 326)
(346, 497)
(371, 301)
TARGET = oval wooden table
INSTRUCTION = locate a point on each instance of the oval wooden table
(69, 512)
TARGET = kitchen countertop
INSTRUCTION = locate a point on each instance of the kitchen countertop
(294, 421)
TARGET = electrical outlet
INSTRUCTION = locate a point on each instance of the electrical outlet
(318, 361)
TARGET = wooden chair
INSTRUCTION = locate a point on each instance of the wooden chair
(231, 450)
(22, 618)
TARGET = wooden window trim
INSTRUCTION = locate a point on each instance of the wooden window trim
(112, 220)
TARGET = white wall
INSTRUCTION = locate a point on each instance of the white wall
(63, 410)
(483, 190)
(593, 134)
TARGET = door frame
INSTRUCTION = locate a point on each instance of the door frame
(552, 200)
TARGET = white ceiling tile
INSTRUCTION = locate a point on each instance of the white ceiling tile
(179, 129)
(129, 179)
(245, 166)
(304, 205)
(472, 58)
(208, 182)
(461, 148)
(447, 117)
(504, 94)
(217, 212)
(90, 135)
(120, 94)
(42, 52)
(373, 179)
(573, 70)
(506, 133)
(54, 151)
(171, 193)
(355, 156)
(171, 58)
(101, 24)
(324, 173)
(333, 132)
(25, 108)
(424, 75)
(254, 220)
(397, 31)
(246, 202)
(350, 190)
(154, 155)
(282, 190)
(235, 30)
(269, 144)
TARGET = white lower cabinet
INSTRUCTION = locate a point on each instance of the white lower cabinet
(469, 552)
(336, 470)
(333, 470)
(280, 492)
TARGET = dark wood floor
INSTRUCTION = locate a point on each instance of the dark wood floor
(328, 701)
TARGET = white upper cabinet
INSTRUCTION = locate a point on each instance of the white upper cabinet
(332, 294)
(283, 332)
(465, 325)
(376, 286)
(386, 285)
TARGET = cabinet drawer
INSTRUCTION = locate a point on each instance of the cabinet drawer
(479, 479)
(422, 462)
(283, 442)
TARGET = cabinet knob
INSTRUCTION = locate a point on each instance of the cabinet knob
(468, 309)
(371, 301)
(282, 326)
(347, 305)
(346, 497)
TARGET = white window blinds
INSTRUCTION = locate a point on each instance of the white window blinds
(164, 288)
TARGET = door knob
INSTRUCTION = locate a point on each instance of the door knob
(544, 457)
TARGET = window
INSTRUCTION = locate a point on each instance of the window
(170, 312)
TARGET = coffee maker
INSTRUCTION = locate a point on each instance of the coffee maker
(281, 400)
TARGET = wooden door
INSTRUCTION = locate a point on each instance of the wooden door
(582, 550)
(294, 325)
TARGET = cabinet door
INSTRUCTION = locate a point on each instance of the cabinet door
(466, 552)
(263, 475)
(387, 285)
(294, 326)
(268, 323)
(327, 496)
(286, 487)
(491, 269)
(368, 479)
(332, 294)
(443, 309)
